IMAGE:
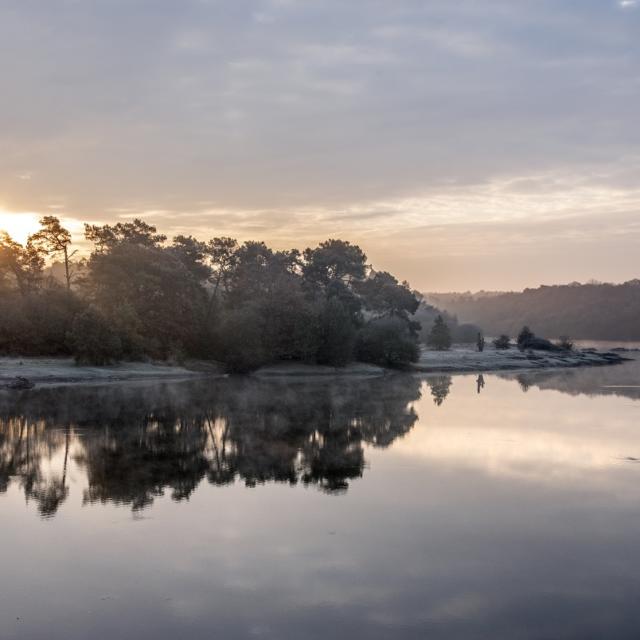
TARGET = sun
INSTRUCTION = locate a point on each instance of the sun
(19, 225)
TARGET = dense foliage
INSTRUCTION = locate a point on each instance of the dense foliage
(137, 295)
(593, 311)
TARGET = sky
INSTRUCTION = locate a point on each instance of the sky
(463, 144)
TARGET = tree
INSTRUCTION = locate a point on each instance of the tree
(289, 321)
(223, 257)
(140, 297)
(440, 337)
(525, 337)
(336, 334)
(53, 238)
(149, 294)
(334, 260)
(502, 342)
(20, 264)
(480, 342)
(383, 295)
(193, 255)
(136, 232)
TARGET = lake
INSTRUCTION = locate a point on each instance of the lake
(495, 506)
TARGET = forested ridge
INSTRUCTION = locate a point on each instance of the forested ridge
(138, 295)
(593, 311)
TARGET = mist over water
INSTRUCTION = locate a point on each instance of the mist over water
(470, 506)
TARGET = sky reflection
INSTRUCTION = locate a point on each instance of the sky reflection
(504, 514)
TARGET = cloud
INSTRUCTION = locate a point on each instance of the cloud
(292, 119)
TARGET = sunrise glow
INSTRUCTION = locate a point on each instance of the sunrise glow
(19, 225)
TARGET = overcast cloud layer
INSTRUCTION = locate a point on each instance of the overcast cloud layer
(463, 144)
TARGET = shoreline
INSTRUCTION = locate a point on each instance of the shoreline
(459, 360)
(64, 371)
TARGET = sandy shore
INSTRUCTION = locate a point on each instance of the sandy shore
(459, 359)
(65, 371)
(462, 359)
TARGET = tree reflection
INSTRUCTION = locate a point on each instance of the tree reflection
(50, 493)
(24, 445)
(440, 387)
(138, 442)
(617, 380)
(524, 381)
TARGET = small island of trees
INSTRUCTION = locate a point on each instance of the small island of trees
(139, 296)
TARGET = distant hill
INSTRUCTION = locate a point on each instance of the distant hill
(593, 311)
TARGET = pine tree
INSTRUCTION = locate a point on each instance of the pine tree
(524, 337)
(440, 335)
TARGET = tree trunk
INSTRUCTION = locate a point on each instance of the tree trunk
(66, 269)
(213, 298)
(67, 440)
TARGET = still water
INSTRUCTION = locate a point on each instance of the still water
(502, 506)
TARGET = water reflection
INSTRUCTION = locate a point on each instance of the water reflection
(619, 380)
(134, 443)
(498, 514)
(23, 446)
(440, 387)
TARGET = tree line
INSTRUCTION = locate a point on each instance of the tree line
(592, 311)
(139, 295)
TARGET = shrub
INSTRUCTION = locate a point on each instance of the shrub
(93, 340)
(566, 343)
(240, 339)
(525, 337)
(502, 342)
(36, 324)
(387, 342)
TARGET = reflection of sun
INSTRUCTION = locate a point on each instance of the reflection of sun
(19, 225)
